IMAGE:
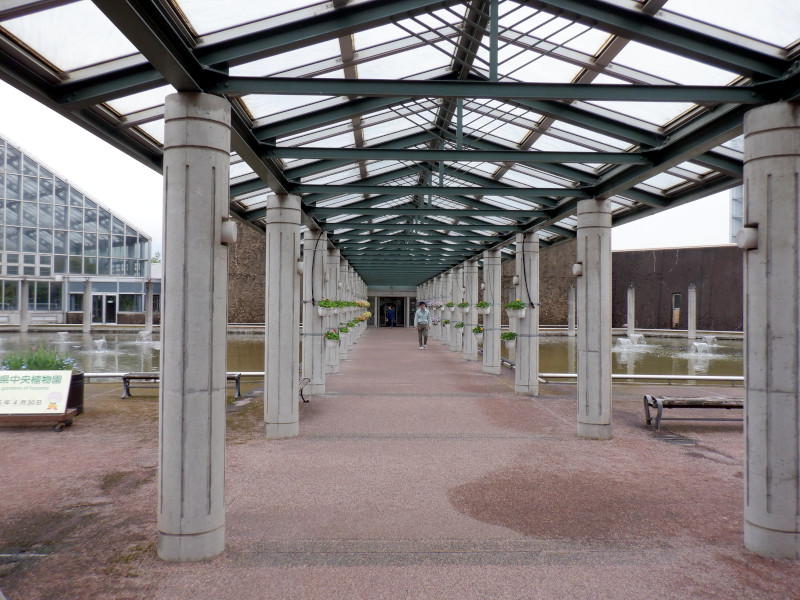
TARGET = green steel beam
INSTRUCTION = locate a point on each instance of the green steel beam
(416, 88)
(384, 152)
(419, 226)
(404, 190)
(443, 212)
(555, 169)
(661, 33)
(366, 153)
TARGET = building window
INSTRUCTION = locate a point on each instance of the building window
(130, 303)
(76, 302)
(10, 294)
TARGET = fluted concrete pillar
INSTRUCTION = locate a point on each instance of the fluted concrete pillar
(471, 318)
(571, 311)
(631, 310)
(526, 378)
(282, 325)
(772, 330)
(344, 314)
(87, 305)
(457, 342)
(191, 513)
(594, 319)
(24, 309)
(332, 293)
(315, 243)
(691, 312)
(491, 322)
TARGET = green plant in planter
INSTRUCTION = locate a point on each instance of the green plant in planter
(515, 305)
(332, 334)
(477, 329)
(508, 336)
(459, 325)
(40, 359)
(327, 303)
(482, 304)
(351, 324)
(343, 328)
(450, 304)
(446, 322)
(463, 304)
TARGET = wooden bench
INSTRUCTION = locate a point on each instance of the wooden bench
(61, 420)
(155, 376)
(662, 402)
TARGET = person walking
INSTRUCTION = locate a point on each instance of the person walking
(390, 316)
(422, 321)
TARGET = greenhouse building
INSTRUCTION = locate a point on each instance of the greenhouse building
(58, 246)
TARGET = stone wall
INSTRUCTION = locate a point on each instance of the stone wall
(247, 276)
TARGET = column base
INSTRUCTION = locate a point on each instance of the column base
(528, 390)
(281, 431)
(771, 543)
(191, 548)
(570, 334)
(594, 431)
(492, 369)
(314, 389)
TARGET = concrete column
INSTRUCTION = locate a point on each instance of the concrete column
(148, 306)
(526, 378)
(315, 242)
(332, 293)
(449, 281)
(408, 312)
(458, 297)
(435, 330)
(24, 309)
(594, 319)
(631, 310)
(772, 330)
(491, 322)
(282, 326)
(344, 315)
(471, 318)
(571, 311)
(87, 305)
(191, 512)
(691, 312)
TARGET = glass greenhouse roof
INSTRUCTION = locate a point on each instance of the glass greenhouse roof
(454, 123)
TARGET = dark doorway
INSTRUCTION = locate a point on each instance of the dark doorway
(399, 311)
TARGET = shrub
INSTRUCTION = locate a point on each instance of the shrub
(38, 360)
(508, 336)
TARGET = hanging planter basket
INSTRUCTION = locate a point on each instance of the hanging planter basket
(510, 344)
(331, 343)
(485, 310)
(464, 309)
(325, 311)
(516, 313)
(478, 337)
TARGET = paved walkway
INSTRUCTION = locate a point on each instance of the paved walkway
(419, 476)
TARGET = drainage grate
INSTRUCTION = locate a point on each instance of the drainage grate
(677, 439)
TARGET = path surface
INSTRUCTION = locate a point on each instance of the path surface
(416, 476)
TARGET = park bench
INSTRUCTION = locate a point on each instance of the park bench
(155, 376)
(304, 381)
(61, 420)
(659, 403)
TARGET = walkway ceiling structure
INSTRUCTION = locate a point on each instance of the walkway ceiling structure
(420, 133)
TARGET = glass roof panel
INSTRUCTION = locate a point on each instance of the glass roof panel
(141, 101)
(772, 21)
(657, 113)
(274, 65)
(263, 105)
(155, 129)
(56, 35)
(528, 66)
(407, 64)
(206, 16)
(671, 66)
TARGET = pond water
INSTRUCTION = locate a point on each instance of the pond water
(123, 352)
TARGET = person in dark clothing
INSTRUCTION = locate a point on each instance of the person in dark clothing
(390, 316)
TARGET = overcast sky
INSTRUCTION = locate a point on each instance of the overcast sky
(134, 191)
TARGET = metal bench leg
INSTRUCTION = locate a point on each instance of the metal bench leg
(127, 388)
(303, 397)
(238, 390)
(660, 406)
(647, 419)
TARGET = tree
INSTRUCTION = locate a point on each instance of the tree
(156, 258)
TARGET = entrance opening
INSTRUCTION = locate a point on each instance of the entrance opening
(104, 309)
(399, 305)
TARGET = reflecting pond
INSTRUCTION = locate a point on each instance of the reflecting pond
(123, 352)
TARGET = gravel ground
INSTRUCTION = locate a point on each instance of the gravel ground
(416, 476)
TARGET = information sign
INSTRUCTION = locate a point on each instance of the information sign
(34, 392)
